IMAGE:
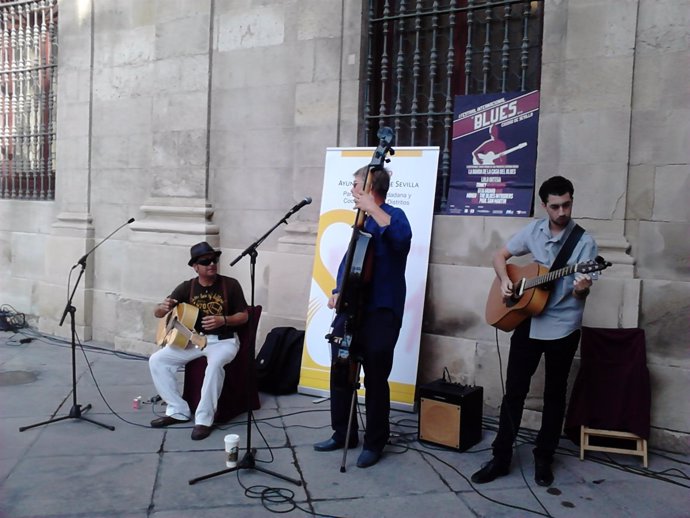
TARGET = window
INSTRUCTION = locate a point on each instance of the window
(28, 59)
(421, 54)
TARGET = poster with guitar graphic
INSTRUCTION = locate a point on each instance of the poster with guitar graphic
(494, 154)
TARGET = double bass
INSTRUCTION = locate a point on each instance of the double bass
(353, 289)
(358, 267)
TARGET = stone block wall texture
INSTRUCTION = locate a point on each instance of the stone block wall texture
(208, 120)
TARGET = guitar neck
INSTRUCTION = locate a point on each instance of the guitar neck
(508, 151)
(361, 216)
(550, 276)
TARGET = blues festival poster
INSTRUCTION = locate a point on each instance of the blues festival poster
(494, 154)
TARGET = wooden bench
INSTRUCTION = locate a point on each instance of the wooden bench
(587, 433)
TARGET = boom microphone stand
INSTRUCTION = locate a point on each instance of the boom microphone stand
(76, 412)
(249, 460)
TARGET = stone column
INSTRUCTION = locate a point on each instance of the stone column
(177, 212)
(584, 134)
(72, 233)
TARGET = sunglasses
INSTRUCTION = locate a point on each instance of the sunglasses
(207, 260)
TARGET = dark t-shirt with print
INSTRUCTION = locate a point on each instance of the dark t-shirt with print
(210, 300)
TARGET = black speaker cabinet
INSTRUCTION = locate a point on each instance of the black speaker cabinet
(450, 414)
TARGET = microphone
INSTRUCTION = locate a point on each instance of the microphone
(305, 201)
(82, 261)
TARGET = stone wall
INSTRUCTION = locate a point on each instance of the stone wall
(657, 212)
(208, 120)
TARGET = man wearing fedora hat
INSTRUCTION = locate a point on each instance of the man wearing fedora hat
(222, 308)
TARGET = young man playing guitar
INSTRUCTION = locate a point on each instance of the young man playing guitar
(222, 308)
(555, 332)
(381, 320)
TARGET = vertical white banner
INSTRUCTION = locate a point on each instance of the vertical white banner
(412, 188)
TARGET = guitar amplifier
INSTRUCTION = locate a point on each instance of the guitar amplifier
(450, 414)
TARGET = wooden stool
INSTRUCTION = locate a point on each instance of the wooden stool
(586, 433)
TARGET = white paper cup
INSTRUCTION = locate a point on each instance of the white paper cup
(232, 445)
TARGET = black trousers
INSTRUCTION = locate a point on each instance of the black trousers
(523, 360)
(378, 336)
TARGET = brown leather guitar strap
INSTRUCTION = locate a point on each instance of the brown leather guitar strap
(225, 295)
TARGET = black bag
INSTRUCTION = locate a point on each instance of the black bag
(279, 361)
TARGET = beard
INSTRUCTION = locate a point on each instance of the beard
(561, 221)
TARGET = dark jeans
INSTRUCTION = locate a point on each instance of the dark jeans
(379, 333)
(525, 354)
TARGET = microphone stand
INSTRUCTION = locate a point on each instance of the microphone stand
(249, 460)
(76, 412)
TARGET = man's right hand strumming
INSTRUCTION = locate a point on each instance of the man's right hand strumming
(506, 288)
(164, 307)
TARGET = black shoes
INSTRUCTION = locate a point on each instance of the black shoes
(368, 458)
(543, 475)
(167, 420)
(491, 471)
(333, 444)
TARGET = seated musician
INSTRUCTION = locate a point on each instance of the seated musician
(380, 323)
(222, 308)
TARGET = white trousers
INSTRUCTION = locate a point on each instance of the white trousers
(164, 363)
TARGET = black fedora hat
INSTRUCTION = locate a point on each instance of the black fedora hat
(201, 249)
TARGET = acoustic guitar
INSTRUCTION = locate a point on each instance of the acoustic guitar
(530, 291)
(176, 328)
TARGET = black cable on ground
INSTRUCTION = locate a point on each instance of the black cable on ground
(281, 500)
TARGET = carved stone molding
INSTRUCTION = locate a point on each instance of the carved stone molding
(614, 248)
(176, 220)
(299, 238)
(79, 222)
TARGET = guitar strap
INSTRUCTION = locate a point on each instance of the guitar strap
(567, 249)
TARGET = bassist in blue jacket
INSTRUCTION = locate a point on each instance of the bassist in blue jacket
(381, 320)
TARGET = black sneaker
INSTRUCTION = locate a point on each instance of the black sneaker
(491, 471)
(543, 475)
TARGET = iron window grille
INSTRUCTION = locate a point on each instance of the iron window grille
(28, 76)
(421, 54)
